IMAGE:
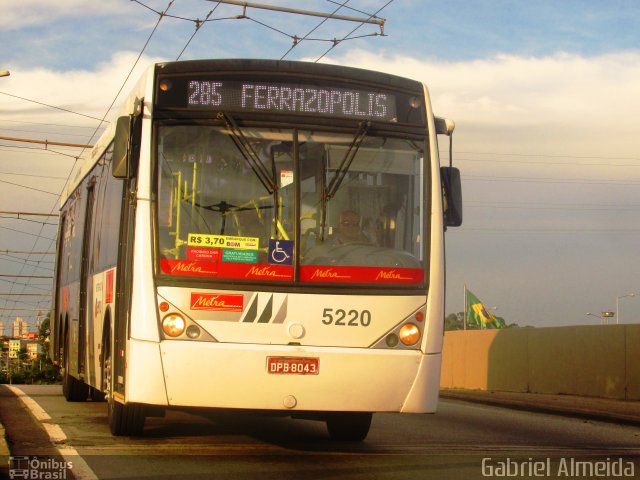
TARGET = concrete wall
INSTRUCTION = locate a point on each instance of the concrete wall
(597, 361)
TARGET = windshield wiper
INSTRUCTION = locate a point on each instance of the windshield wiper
(345, 164)
(330, 190)
(249, 154)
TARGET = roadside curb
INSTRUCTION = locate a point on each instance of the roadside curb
(616, 411)
(4, 446)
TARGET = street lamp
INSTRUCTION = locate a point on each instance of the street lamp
(594, 315)
(604, 316)
(4, 73)
(617, 307)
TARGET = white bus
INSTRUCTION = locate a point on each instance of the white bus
(258, 235)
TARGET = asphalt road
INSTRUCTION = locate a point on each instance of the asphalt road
(462, 441)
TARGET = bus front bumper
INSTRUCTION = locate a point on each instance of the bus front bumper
(199, 374)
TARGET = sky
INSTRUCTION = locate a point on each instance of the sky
(545, 96)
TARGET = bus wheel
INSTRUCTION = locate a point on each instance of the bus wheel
(96, 395)
(124, 419)
(74, 390)
(349, 426)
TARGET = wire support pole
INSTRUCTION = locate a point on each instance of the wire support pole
(45, 142)
(369, 20)
(25, 276)
(29, 252)
(25, 294)
(24, 309)
(29, 214)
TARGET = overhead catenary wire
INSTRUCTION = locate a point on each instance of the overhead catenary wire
(52, 240)
(30, 188)
(49, 105)
(48, 177)
(198, 24)
(39, 235)
(61, 125)
(337, 42)
(115, 98)
(297, 42)
(370, 19)
(66, 134)
(35, 286)
(29, 263)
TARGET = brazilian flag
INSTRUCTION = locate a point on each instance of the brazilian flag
(478, 315)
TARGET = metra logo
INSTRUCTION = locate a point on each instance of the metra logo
(391, 275)
(217, 302)
(265, 272)
(190, 267)
(327, 273)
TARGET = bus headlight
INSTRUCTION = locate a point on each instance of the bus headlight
(409, 334)
(173, 325)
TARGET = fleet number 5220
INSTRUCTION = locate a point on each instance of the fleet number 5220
(344, 318)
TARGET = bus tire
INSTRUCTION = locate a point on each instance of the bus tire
(124, 419)
(349, 426)
(74, 390)
(96, 395)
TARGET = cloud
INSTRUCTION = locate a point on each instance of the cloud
(83, 91)
(17, 14)
(566, 98)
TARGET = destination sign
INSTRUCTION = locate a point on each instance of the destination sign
(276, 97)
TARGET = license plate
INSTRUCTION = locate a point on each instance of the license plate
(293, 365)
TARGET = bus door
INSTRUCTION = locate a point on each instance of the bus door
(85, 286)
(56, 321)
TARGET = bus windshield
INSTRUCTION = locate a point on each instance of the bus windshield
(232, 203)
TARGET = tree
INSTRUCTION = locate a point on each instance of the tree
(454, 321)
(39, 370)
(46, 372)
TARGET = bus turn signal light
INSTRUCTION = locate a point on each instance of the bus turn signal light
(409, 334)
(173, 325)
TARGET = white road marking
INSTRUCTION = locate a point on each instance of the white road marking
(31, 404)
(80, 469)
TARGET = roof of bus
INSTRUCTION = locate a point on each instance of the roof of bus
(286, 67)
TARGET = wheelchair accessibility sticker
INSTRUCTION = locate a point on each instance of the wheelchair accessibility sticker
(281, 252)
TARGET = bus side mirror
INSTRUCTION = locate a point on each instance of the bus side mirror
(121, 148)
(452, 194)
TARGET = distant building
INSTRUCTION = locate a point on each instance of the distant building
(19, 327)
(33, 350)
(14, 348)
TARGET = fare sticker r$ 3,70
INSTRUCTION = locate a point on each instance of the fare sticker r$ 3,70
(222, 241)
